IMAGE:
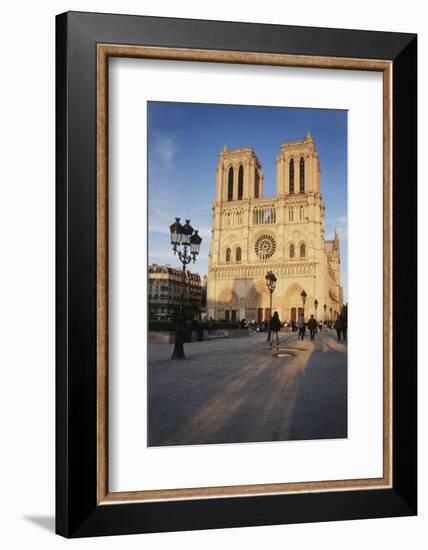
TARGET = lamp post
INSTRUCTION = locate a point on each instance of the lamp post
(316, 308)
(325, 309)
(303, 296)
(271, 284)
(186, 242)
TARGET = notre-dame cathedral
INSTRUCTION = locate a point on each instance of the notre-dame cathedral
(252, 235)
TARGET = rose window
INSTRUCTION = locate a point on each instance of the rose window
(265, 246)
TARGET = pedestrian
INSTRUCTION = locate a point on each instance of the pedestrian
(344, 321)
(267, 328)
(312, 326)
(338, 327)
(301, 327)
(275, 327)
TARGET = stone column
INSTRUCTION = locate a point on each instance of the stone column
(280, 175)
(246, 180)
(251, 178)
(286, 175)
(225, 182)
(219, 186)
(235, 182)
(313, 173)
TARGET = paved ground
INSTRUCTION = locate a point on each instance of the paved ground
(234, 390)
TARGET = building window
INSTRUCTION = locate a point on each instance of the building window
(240, 183)
(230, 185)
(302, 175)
(290, 214)
(265, 246)
(238, 254)
(256, 185)
(291, 250)
(291, 177)
(301, 213)
(302, 250)
(227, 254)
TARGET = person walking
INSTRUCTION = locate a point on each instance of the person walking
(301, 327)
(344, 321)
(312, 326)
(338, 327)
(275, 327)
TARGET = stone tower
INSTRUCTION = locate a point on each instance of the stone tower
(252, 234)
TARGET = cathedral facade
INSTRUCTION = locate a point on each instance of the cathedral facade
(252, 235)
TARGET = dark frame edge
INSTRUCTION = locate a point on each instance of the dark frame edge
(226, 513)
(404, 204)
(61, 266)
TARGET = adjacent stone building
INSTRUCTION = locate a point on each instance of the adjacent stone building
(165, 287)
(252, 234)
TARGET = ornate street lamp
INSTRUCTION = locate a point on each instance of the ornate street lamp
(271, 284)
(187, 242)
(303, 296)
(195, 244)
(176, 232)
(316, 307)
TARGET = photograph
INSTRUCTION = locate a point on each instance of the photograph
(213, 269)
(247, 273)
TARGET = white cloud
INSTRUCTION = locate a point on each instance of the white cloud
(341, 220)
(158, 228)
(165, 149)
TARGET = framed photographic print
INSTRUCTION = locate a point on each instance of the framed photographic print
(236, 244)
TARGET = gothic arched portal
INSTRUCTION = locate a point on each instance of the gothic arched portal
(228, 305)
(257, 302)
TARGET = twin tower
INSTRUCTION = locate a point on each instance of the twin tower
(252, 234)
(240, 175)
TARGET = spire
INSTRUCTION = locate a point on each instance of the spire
(308, 137)
(336, 238)
(225, 149)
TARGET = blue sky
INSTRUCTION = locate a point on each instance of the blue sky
(185, 139)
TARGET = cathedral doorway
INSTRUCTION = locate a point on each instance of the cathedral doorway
(257, 302)
(231, 315)
(295, 313)
(227, 305)
(291, 301)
